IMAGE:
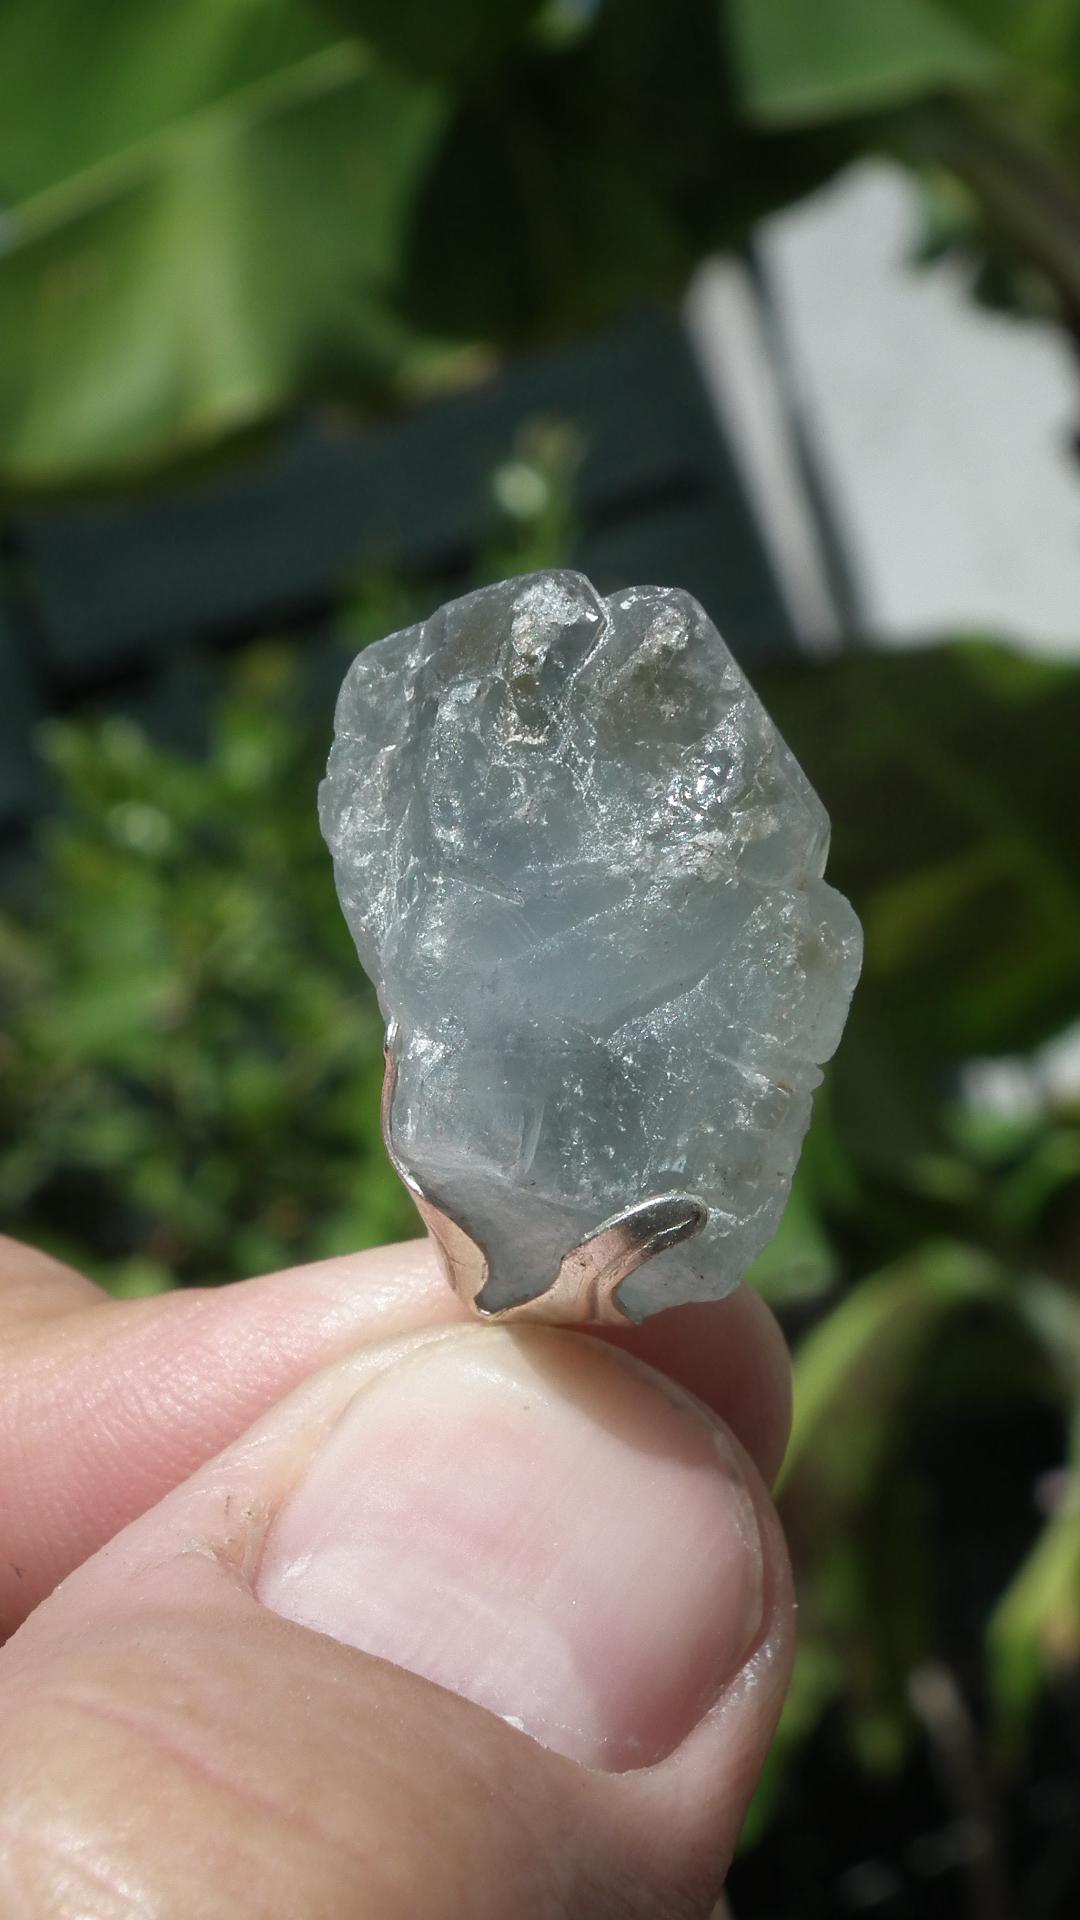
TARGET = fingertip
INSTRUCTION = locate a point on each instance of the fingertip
(685, 1816)
(732, 1355)
(535, 1522)
(561, 1539)
(34, 1286)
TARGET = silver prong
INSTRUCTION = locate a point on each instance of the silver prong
(585, 1289)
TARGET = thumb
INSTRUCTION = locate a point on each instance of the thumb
(478, 1621)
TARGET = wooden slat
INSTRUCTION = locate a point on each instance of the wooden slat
(22, 779)
(117, 581)
(708, 544)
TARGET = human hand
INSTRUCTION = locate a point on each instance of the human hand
(273, 1507)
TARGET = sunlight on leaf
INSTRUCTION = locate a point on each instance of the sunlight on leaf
(850, 1371)
(185, 285)
(800, 62)
(1034, 1635)
(798, 1263)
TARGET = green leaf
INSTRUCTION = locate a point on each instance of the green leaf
(136, 1279)
(1051, 1311)
(1034, 1634)
(1044, 34)
(799, 1263)
(193, 282)
(854, 1521)
(459, 37)
(943, 771)
(117, 76)
(589, 167)
(817, 1677)
(851, 1371)
(800, 61)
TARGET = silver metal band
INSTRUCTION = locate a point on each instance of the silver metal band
(584, 1291)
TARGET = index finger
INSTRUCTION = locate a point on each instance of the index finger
(107, 1405)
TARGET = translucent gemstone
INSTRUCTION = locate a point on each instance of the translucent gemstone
(584, 873)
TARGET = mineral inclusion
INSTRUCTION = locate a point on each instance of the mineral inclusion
(584, 873)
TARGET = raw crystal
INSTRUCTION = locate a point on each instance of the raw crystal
(584, 873)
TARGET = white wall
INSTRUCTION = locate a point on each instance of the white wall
(943, 430)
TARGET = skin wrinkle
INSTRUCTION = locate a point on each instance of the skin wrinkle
(165, 1741)
(134, 1903)
(608, 1867)
(461, 1809)
(122, 1424)
(131, 1577)
(84, 1478)
(758, 1689)
(23, 1273)
(566, 1889)
(154, 1412)
(566, 1373)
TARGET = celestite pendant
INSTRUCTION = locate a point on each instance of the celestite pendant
(584, 873)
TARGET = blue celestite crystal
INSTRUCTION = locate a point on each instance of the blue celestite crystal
(584, 873)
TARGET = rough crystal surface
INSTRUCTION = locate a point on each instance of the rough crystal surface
(584, 873)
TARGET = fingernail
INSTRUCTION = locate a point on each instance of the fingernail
(531, 1521)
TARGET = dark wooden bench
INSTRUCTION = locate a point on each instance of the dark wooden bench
(104, 600)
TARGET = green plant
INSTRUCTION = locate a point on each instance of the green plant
(190, 1073)
(191, 1081)
(237, 207)
(939, 1375)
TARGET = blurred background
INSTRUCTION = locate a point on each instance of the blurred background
(314, 311)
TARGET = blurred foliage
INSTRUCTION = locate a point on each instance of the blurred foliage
(192, 1075)
(234, 205)
(191, 1067)
(930, 1492)
(189, 1091)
